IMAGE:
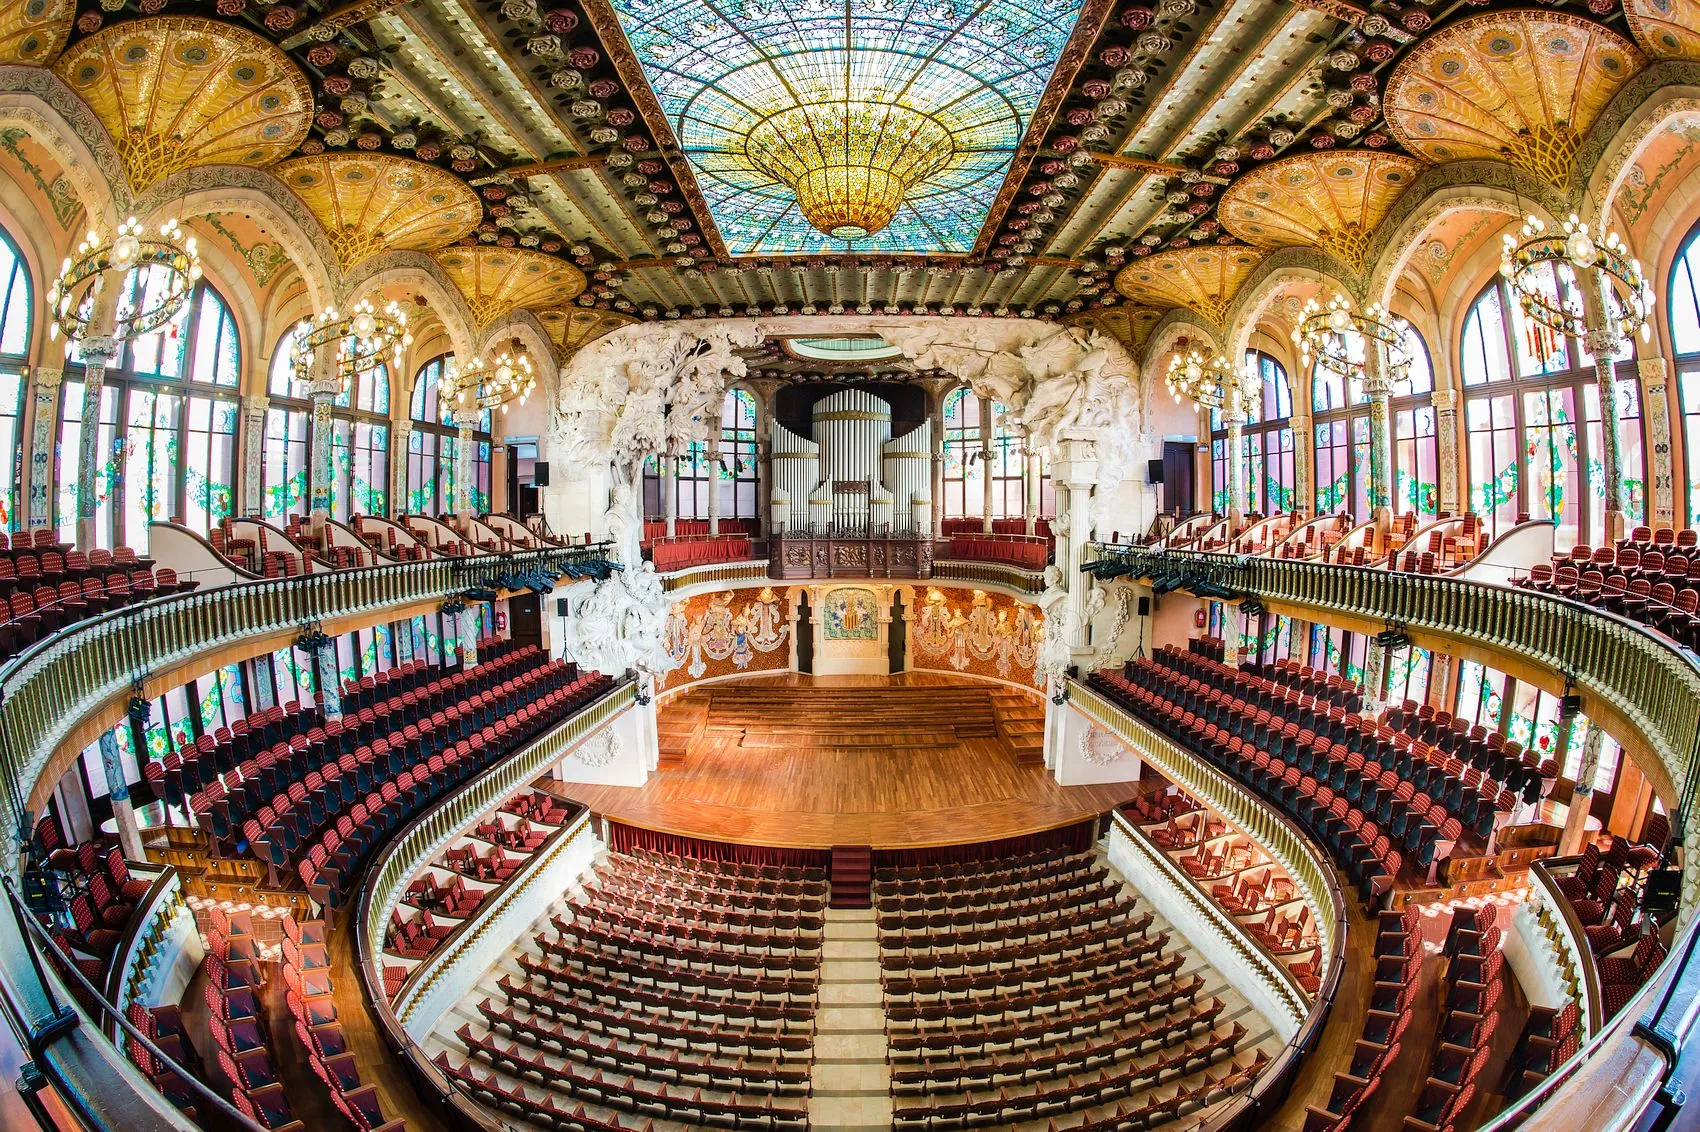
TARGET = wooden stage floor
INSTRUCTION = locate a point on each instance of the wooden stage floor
(893, 762)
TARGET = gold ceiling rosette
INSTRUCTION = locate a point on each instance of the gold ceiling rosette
(1204, 280)
(498, 281)
(179, 92)
(372, 202)
(1330, 200)
(850, 162)
(1131, 326)
(1665, 29)
(573, 328)
(33, 31)
(1521, 87)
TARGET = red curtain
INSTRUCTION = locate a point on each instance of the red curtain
(1076, 838)
(625, 838)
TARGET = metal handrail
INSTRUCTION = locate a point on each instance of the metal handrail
(31, 929)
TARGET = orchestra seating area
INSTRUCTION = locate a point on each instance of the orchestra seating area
(1036, 991)
(1371, 792)
(668, 987)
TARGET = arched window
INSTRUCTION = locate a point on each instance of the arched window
(1532, 414)
(1685, 343)
(1340, 407)
(431, 447)
(739, 491)
(1267, 446)
(15, 308)
(964, 482)
(168, 421)
(360, 443)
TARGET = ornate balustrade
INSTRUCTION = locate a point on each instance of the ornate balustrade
(1559, 964)
(1011, 578)
(47, 691)
(1623, 670)
(408, 852)
(161, 947)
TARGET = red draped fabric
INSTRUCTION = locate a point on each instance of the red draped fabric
(625, 838)
(1076, 838)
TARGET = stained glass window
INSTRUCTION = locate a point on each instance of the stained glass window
(736, 478)
(976, 70)
(963, 470)
(1685, 343)
(1268, 448)
(432, 448)
(170, 454)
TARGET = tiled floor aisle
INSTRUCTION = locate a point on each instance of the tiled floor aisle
(851, 1080)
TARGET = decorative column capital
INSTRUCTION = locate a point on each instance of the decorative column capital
(99, 350)
(1603, 343)
(1444, 400)
(466, 419)
(47, 377)
(256, 404)
(1653, 372)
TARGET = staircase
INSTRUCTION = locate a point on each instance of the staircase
(850, 717)
(1021, 720)
(852, 876)
(678, 727)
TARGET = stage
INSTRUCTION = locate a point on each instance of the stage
(897, 762)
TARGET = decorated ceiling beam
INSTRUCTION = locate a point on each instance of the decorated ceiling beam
(340, 20)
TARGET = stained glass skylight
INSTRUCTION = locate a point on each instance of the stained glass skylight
(721, 68)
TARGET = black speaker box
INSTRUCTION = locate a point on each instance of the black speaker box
(1153, 471)
(540, 473)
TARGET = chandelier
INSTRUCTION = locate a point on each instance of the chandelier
(849, 162)
(362, 337)
(1210, 381)
(178, 264)
(1336, 335)
(499, 382)
(1627, 295)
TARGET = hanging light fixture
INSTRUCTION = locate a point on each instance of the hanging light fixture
(1576, 250)
(361, 338)
(1336, 336)
(504, 379)
(850, 162)
(1211, 381)
(171, 253)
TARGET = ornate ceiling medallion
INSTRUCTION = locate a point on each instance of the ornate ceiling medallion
(371, 203)
(880, 126)
(499, 281)
(1204, 280)
(1131, 326)
(1665, 29)
(33, 31)
(1522, 87)
(1330, 200)
(176, 93)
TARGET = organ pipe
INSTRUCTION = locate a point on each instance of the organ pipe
(908, 471)
(796, 470)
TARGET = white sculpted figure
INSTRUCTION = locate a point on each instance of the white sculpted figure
(623, 523)
(622, 625)
(1054, 647)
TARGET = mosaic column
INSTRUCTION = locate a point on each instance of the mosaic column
(1304, 444)
(464, 420)
(1230, 620)
(123, 813)
(44, 392)
(986, 497)
(1576, 818)
(97, 355)
(1445, 403)
(1234, 416)
(254, 408)
(323, 468)
(1604, 345)
(669, 491)
(468, 638)
(401, 433)
(1655, 410)
(713, 488)
(330, 680)
(265, 691)
(1378, 386)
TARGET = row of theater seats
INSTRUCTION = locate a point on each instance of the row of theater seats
(457, 881)
(684, 551)
(339, 557)
(1328, 687)
(1026, 552)
(163, 1026)
(671, 987)
(312, 1006)
(101, 895)
(1246, 884)
(1100, 1015)
(383, 538)
(1660, 592)
(1604, 892)
(234, 993)
(1340, 776)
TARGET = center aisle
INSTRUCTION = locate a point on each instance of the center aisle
(850, 1086)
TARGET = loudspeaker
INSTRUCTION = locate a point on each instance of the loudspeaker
(562, 607)
(1153, 471)
(540, 473)
(1145, 607)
